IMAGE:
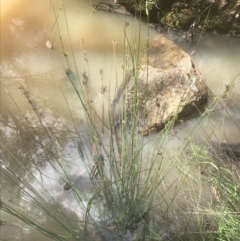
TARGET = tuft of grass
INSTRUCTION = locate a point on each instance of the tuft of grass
(133, 197)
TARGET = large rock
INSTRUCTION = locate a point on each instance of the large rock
(168, 86)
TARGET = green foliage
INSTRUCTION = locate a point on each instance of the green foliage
(212, 16)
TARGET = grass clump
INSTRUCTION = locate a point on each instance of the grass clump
(141, 190)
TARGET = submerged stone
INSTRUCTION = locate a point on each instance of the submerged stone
(2, 222)
(67, 186)
(230, 149)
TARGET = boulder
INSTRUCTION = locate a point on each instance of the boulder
(168, 86)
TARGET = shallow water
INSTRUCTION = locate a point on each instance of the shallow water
(27, 127)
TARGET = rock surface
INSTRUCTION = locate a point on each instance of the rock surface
(168, 85)
(221, 16)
